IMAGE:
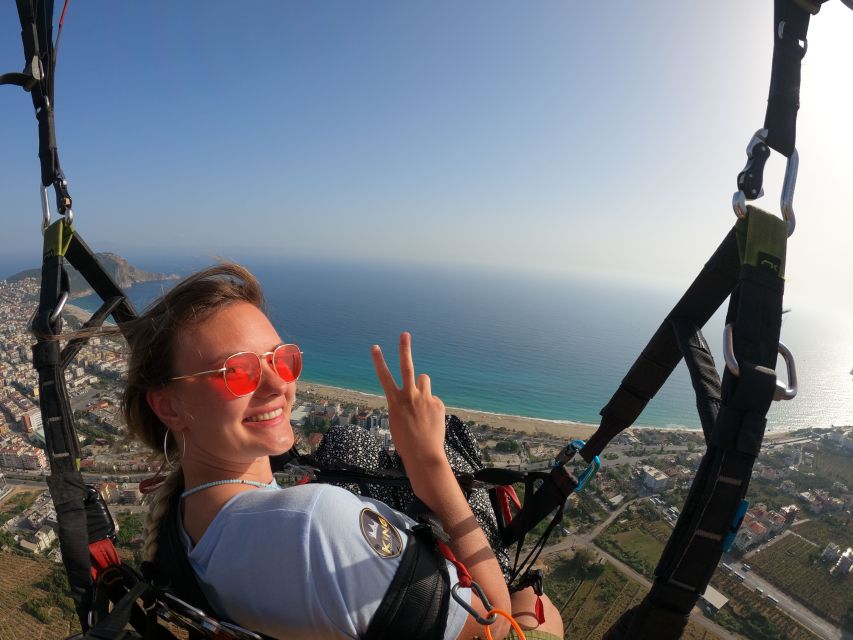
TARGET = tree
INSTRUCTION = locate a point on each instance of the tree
(507, 446)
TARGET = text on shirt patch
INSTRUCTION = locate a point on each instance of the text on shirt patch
(380, 534)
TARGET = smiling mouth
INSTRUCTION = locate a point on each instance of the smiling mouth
(262, 417)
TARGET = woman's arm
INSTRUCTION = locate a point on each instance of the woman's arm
(417, 426)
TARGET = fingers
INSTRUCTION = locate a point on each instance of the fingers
(424, 384)
(407, 366)
(382, 371)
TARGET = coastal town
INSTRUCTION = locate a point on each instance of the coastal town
(788, 573)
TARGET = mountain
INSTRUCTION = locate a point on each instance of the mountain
(124, 274)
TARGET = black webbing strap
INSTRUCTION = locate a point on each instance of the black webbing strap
(171, 569)
(37, 37)
(709, 518)
(790, 28)
(67, 489)
(123, 587)
(703, 373)
(81, 257)
(417, 601)
(662, 354)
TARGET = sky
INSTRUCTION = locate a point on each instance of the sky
(593, 139)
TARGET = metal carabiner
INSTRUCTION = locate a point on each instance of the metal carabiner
(783, 391)
(568, 453)
(750, 179)
(454, 591)
(54, 316)
(45, 208)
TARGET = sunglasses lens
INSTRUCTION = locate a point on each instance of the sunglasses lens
(242, 373)
(287, 360)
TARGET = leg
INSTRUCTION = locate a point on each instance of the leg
(524, 612)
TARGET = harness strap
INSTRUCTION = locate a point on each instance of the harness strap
(714, 506)
(659, 358)
(790, 28)
(417, 601)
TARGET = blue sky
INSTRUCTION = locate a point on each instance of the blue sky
(570, 137)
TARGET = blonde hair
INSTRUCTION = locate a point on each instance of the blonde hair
(152, 339)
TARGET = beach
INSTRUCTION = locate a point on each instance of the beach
(564, 429)
(529, 426)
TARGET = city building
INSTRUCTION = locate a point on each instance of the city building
(654, 478)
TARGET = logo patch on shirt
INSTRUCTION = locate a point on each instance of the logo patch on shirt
(380, 534)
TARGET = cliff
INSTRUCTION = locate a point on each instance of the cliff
(124, 274)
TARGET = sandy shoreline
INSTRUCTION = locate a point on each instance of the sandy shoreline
(530, 426)
(561, 428)
(81, 314)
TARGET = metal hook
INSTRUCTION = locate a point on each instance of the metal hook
(45, 208)
(783, 391)
(54, 316)
(749, 180)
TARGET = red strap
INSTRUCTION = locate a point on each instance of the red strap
(303, 480)
(505, 494)
(540, 611)
(102, 555)
(465, 578)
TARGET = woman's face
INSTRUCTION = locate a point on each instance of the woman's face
(220, 428)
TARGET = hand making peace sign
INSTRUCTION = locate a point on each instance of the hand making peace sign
(416, 416)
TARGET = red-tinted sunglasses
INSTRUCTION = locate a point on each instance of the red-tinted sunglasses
(242, 371)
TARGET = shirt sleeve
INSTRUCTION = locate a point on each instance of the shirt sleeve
(356, 545)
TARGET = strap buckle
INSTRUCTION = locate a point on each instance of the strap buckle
(749, 181)
(568, 453)
(783, 391)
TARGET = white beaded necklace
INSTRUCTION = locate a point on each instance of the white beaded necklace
(215, 483)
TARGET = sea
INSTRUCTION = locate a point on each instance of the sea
(546, 346)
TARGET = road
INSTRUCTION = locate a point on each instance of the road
(586, 541)
(793, 608)
(797, 611)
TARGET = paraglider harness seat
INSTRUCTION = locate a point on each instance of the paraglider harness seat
(414, 606)
(417, 600)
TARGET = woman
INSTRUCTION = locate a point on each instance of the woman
(211, 382)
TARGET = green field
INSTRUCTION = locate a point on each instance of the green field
(592, 597)
(637, 540)
(792, 564)
(750, 614)
(826, 530)
(834, 465)
(29, 611)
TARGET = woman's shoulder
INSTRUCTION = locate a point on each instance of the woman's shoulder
(322, 501)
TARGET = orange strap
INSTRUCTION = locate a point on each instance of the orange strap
(512, 621)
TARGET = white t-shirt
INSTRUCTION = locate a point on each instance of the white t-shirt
(312, 561)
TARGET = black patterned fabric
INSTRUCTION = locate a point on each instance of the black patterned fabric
(354, 446)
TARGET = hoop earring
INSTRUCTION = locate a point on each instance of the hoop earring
(166, 448)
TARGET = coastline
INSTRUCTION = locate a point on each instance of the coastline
(563, 429)
(530, 426)
(73, 310)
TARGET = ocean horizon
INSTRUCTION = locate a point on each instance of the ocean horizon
(540, 346)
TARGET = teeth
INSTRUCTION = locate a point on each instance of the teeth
(265, 416)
